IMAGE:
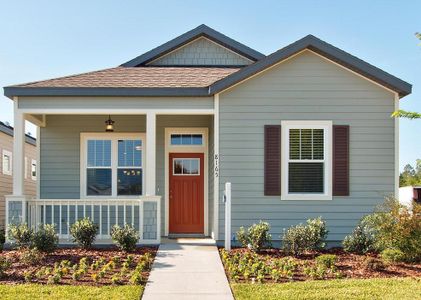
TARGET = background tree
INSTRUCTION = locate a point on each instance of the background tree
(410, 175)
(408, 114)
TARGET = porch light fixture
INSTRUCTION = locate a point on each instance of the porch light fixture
(109, 125)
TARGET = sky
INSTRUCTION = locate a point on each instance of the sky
(46, 39)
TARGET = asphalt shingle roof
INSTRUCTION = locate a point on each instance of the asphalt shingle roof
(139, 77)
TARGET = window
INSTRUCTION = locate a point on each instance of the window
(186, 139)
(186, 166)
(34, 169)
(113, 164)
(7, 162)
(306, 160)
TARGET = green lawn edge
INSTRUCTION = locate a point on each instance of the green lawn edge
(385, 288)
(80, 292)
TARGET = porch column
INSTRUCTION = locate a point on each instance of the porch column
(18, 159)
(150, 153)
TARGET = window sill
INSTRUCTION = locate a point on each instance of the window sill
(307, 197)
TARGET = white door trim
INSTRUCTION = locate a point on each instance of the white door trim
(187, 149)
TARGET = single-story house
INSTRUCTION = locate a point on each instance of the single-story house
(300, 133)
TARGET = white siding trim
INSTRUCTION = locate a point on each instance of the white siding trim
(396, 143)
(327, 126)
(204, 148)
(216, 169)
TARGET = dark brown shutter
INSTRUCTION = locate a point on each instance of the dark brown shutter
(340, 160)
(272, 160)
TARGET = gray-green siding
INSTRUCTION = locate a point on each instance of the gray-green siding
(306, 87)
(201, 52)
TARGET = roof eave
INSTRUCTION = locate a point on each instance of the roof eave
(312, 43)
(102, 91)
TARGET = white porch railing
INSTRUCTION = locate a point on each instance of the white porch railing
(142, 213)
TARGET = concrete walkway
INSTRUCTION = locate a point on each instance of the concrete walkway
(187, 269)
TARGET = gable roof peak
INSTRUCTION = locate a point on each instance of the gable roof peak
(200, 31)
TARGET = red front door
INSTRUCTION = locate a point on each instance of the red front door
(186, 193)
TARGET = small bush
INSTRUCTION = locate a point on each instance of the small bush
(2, 239)
(84, 232)
(327, 260)
(21, 235)
(392, 256)
(373, 264)
(257, 236)
(300, 238)
(5, 264)
(45, 239)
(360, 241)
(31, 256)
(136, 278)
(125, 237)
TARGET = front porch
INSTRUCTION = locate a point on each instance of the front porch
(71, 186)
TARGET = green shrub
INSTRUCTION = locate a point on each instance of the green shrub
(21, 234)
(257, 236)
(327, 260)
(45, 239)
(2, 239)
(392, 256)
(84, 232)
(31, 256)
(5, 264)
(373, 264)
(300, 238)
(395, 226)
(361, 240)
(125, 237)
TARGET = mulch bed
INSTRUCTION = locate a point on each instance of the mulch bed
(15, 274)
(348, 264)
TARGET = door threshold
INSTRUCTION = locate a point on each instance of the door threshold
(186, 235)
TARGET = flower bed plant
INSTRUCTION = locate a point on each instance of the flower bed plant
(77, 266)
(276, 266)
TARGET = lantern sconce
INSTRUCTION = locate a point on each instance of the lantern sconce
(109, 125)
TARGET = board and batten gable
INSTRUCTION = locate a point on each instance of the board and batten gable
(201, 51)
(305, 87)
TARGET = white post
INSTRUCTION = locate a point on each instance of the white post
(227, 199)
(150, 153)
(18, 152)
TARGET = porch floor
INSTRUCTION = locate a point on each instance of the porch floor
(187, 269)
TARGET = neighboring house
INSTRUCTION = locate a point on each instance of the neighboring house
(409, 194)
(303, 132)
(6, 165)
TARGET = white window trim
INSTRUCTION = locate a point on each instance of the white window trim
(114, 137)
(187, 145)
(285, 127)
(34, 162)
(26, 167)
(10, 155)
(187, 149)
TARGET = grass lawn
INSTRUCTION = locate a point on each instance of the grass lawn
(45, 292)
(386, 288)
